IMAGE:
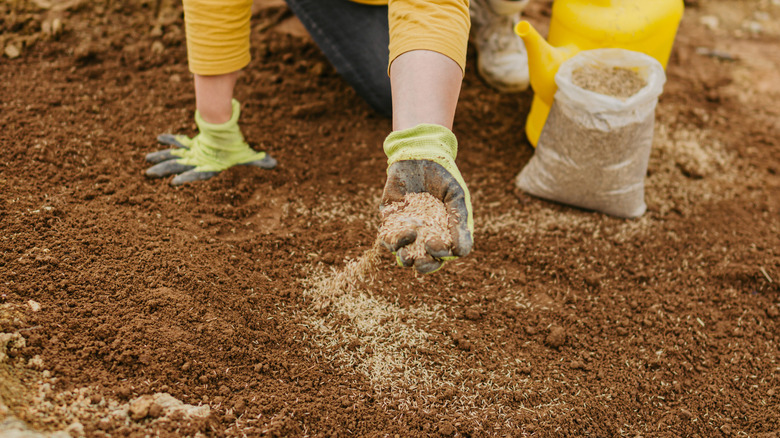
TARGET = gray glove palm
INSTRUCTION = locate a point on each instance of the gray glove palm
(214, 149)
(422, 159)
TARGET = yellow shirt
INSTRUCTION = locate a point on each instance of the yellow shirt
(218, 31)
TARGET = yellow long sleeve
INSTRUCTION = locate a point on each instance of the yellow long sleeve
(218, 31)
(217, 35)
(441, 26)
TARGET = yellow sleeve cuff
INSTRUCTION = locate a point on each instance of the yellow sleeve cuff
(440, 26)
(217, 35)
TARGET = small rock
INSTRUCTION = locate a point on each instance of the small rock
(95, 398)
(593, 280)
(175, 78)
(557, 337)
(753, 27)
(711, 22)
(156, 31)
(75, 429)
(318, 69)
(34, 305)
(472, 313)
(309, 109)
(36, 363)
(139, 408)
(772, 311)
(56, 27)
(463, 344)
(447, 429)
(156, 410)
(105, 424)
(158, 47)
(11, 51)
(123, 392)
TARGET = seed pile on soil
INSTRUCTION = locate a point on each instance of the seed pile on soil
(421, 212)
(611, 81)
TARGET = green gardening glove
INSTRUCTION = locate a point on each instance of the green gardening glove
(422, 159)
(214, 149)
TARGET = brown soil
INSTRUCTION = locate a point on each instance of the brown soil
(561, 322)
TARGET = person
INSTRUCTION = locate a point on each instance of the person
(406, 59)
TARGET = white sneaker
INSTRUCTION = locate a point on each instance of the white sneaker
(502, 60)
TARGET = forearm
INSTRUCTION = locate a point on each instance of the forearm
(425, 87)
(427, 59)
(213, 96)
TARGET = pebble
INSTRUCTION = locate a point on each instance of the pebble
(34, 306)
(139, 408)
(711, 22)
(753, 27)
(557, 337)
(105, 424)
(158, 47)
(156, 411)
(75, 429)
(11, 51)
(472, 314)
(447, 429)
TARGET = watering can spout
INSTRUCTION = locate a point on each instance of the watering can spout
(543, 60)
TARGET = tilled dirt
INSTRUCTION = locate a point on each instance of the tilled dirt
(129, 307)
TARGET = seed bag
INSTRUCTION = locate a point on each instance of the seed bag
(595, 145)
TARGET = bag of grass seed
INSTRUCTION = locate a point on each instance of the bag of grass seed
(595, 145)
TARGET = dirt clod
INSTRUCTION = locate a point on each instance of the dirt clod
(557, 337)
(447, 429)
(139, 408)
(473, 313)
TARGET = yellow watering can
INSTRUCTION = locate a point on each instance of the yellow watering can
(646, 26)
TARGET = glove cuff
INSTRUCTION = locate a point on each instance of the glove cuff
(433, 143)
(223, 136)
(423, 142)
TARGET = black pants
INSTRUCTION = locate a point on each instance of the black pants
(355, 38)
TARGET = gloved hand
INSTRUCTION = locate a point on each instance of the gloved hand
(422, 159)
(214, 149)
